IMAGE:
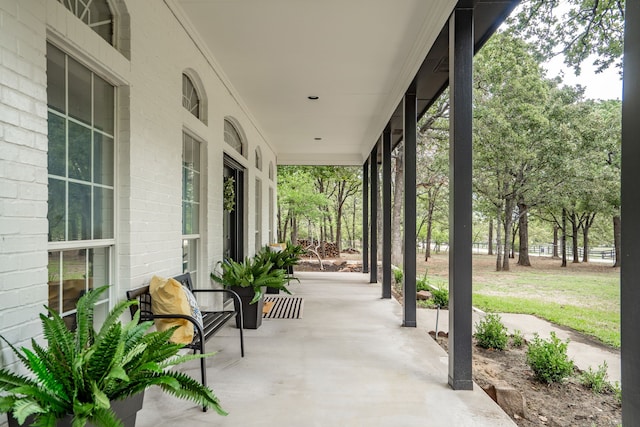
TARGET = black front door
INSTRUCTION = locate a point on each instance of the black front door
(233, 209)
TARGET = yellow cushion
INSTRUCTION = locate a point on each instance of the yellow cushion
(167, 297)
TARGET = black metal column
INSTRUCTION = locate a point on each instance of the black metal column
(373, 178)
(630, 267)
(365, 216)
(460, 173)
(386, 213)
(409, 260)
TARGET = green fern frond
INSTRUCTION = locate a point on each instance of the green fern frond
(45, 398)
(101, 360)
(105, 418)
(114, 317)
(44, 376)
(84, 317)
(25, 407)
(9, 380)
(132, 353)
(184, 358)
(17, 352)
(58, 368)
(191, 389)
(58, 336)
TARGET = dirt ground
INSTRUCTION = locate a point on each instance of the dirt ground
(569, 404)
(557, 405)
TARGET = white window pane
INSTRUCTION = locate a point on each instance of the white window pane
(79, 92)
(56, 86)
(79, 152)
(57, 156)
(103, 105)
(79, 220)
(102, 159)
(56, 210)
(103, 213)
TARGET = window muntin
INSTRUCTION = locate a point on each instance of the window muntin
(81, 147)
(190, 97)
(191, 168)
(232, 137)
(95, 13)
(81, 154)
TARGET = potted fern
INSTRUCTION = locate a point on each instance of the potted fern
(87, 376)
(250, 279)
(283, 259)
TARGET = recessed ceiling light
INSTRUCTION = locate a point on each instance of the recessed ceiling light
(313, 97)
(317, 138)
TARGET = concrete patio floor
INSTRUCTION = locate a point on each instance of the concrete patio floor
(347, 362)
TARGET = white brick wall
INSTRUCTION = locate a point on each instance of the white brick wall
(150, 123)
(23, 172)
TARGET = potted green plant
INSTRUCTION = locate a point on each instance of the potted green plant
(283, 259)
(87, 376)
(250, 279)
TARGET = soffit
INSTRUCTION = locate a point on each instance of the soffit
(358, 56)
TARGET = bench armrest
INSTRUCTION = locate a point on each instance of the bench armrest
(234, 295)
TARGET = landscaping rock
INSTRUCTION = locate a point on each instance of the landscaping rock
(508, 398)
(423, 295)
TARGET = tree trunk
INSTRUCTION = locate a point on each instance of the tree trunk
(396, 218)
(339, 229)
(294, 230)
(523, 235)
(508, 222)
(430, 208)
(586, 226)
(498, 242)
(555, 242)
(490, 250)
(574, 238)
(617, 235)
(563, 240)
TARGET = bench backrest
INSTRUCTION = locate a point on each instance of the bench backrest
(144, 297)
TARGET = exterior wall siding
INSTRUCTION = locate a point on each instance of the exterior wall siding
(149, 125)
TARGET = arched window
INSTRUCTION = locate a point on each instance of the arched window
(190, 97)
(97, 14)
(258, 159)
(232, 137)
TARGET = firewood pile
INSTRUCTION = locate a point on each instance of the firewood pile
(330, 248)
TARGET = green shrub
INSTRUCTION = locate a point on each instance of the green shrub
(423, 285)
(397, 276)
(491, 333)
(617, 390)
(548, 359)
(596, 380)
(440, 296)
(517, 339)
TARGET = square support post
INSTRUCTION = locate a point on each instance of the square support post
(409, 260)
(373, 178)
(460, 197)
(386, 213)
(365, 217)
(630, 215)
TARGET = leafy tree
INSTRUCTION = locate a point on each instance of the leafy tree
(515, 155)
(297, 199)
(575, 29)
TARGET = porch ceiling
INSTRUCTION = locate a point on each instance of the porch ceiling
(357, 56)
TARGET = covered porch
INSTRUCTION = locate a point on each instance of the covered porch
(347, 362)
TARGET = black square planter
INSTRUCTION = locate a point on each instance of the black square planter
(251, 313)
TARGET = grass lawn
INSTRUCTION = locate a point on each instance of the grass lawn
(584, 297)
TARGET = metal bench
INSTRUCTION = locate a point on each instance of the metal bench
(213, 321)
